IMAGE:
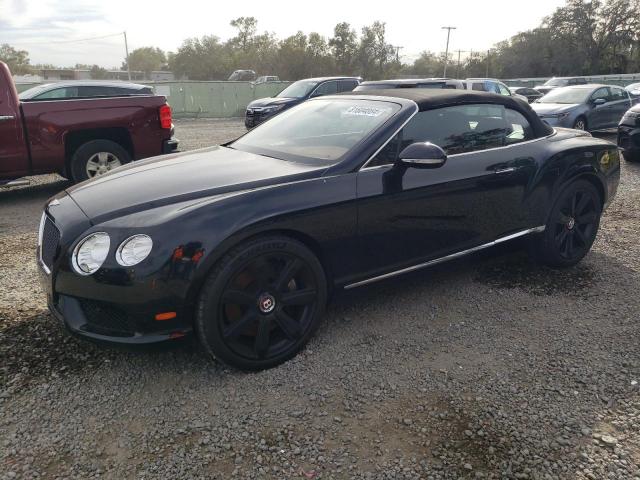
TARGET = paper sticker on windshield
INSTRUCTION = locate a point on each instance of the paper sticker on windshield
(365, 111)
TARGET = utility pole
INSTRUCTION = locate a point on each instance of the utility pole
(446, 52)
(398, 53)
(487, 72)
(458, 68)
(126, 49)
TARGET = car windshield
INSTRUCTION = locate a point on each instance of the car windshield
(566, 95)
(319, 132)
(556, 82)
(298, 89)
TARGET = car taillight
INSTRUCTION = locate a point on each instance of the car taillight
(165, 116)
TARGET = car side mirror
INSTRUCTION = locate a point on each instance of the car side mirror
(422, 155)
(598, 101)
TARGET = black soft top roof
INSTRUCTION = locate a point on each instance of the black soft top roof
(428, 99)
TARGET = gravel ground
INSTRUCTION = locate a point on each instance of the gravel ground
(489, 367)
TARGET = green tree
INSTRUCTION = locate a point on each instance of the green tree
(98, 73)
(146, 59)
(344, 48)
(202, 59)
(17, 60)
(247, 28)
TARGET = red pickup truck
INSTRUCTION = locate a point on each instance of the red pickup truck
(78, 138)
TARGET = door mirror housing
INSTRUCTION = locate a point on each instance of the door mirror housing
(422, 155)
(598, 101)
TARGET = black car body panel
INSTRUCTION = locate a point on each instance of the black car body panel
(361, 221)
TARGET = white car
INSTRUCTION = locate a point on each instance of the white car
(493, 86)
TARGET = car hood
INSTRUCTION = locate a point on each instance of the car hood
(547, 108)
(272, 101)
(181, 177)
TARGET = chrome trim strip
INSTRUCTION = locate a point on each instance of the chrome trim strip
(40, 235)
(6, 117)
(388, 140)
(447, 257)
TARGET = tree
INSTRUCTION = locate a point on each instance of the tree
(202, 59)
(98, 73)
(17, 60)
(247, 27)
(344, 47)
(376, 57)
(146, 59)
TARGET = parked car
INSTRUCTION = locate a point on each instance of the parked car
(83, 89)
(629, 134)
(335, 193)
(531, 94)
(557, 82)
(264, 108)
(634, 92)
(438, 83)
(242, 76)
(267, 79)
(492, 85)
(79, 139)
(584, 107)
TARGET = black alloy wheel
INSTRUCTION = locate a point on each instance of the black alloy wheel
(261, 304)
(572, 226)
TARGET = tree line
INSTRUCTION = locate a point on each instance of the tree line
(583, 37)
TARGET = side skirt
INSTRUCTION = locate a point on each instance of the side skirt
(446, 258)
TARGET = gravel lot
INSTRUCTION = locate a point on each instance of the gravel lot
(489, 367)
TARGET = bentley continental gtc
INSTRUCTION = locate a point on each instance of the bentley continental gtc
(242, 244)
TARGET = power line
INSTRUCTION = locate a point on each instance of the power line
(69, 41)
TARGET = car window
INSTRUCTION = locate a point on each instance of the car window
(502, 90)
(600, 93)
(65, 92)
(479, 86)
(346, 85)
(327, 88)
(617, 94)
(459, 129)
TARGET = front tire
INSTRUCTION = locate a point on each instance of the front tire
(261, 303)
(580, 124)
(572, 226)
(96, 158)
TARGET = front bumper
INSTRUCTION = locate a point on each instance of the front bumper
(114, 305)
(70, 312)
(629, 139)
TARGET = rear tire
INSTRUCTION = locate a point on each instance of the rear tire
(96, 158)
(572, 226)
(261, 303)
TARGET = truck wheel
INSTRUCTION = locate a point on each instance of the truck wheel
(96, 158)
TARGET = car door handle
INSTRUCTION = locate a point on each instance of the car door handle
(6, 117)
(501, 171)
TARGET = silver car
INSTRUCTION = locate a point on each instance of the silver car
(584, 107)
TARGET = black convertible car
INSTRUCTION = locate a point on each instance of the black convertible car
(243, 243)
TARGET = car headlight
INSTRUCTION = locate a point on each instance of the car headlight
(134, 250)
(555, 115)
(90, 253)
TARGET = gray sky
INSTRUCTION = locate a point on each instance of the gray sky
(48, 28)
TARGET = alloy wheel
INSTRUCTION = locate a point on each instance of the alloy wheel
(101, 163)
(267, 306)
(576, 224)
(580, 125)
